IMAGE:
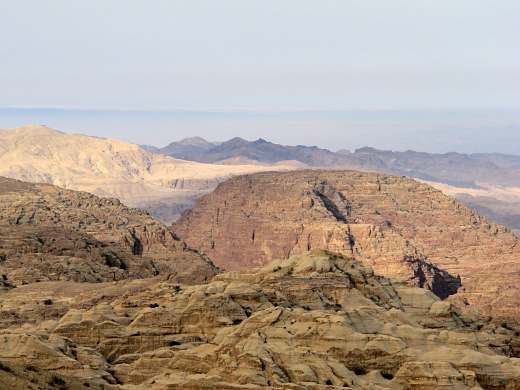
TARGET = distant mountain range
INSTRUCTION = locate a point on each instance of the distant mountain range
(488, 182)
(450, 168)
(260, 151)
(184, 149)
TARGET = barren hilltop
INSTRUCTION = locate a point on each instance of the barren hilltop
(400, 227)
(48, 234)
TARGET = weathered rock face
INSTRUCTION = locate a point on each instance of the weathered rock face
(400, 227)
(314, 321)
(14, 377)
(47, 233)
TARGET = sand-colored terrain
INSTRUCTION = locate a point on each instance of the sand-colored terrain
(316, 321)
(112, 168)
(501, 193)
(499, 203)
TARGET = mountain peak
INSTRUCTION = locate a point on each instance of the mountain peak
(34, 129)
(194, 141)
(237, 139)
(355, 212)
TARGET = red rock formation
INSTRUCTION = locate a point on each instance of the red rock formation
(400, 227)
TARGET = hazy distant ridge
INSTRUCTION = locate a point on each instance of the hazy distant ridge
(452, 168)
(488, 182)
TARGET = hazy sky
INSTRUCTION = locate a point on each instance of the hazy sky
(278, 55)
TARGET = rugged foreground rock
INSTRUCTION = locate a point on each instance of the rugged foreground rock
(401, 228)
(48, 233)
(315, 321)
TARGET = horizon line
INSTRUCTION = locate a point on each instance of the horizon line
(246, 110)
(354, 150)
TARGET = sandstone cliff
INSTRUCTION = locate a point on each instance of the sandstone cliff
(48, 233)
(402, 228)
(318, 321)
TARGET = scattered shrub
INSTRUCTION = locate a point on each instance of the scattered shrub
(387, 375)
(359, 371)
(56, 381)
(5, 368)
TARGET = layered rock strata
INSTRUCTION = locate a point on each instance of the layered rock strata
(401, 228)
(48, 233)
(318, 321)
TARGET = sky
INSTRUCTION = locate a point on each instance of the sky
(342, 73)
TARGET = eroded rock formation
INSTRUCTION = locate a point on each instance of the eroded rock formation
(48, 233)
(315, 321)
(401, 228)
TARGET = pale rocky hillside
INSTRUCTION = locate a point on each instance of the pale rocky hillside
(111, 168)
(500, 203)
(48, 234)
(317, 321)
